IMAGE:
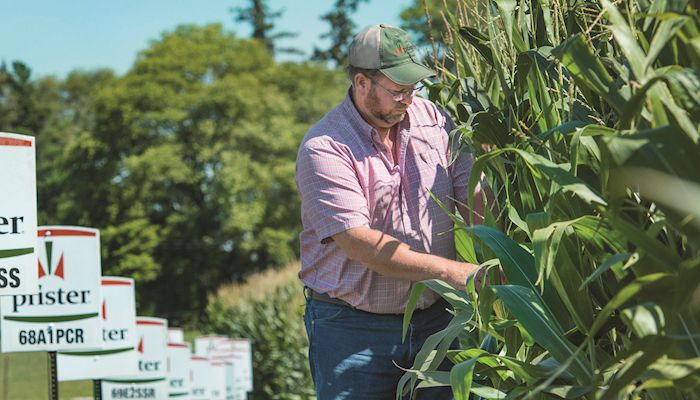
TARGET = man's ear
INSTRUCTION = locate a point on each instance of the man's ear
(360, 81)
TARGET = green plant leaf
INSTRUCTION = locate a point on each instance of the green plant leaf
(562, 177)
(588, 71)
(626, 39)
(527, 307)
(461, 379)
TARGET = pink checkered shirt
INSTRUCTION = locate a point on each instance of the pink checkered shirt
(346, 179)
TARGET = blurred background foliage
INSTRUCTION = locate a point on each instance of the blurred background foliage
(185, 163)
(268, 310)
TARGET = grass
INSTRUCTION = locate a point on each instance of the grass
(25, 376)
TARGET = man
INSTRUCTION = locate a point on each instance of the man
(370, 227)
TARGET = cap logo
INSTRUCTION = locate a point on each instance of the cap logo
(399, 50)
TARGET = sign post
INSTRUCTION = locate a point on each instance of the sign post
(97, 389)
(18, 215)
(53, 382)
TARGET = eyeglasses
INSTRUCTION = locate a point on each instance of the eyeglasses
(399, 95)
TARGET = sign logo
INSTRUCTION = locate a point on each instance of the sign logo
(58, 270)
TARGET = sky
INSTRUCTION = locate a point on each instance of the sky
(54, 37)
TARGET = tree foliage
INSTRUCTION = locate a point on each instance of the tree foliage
(414, 21)
(280, 348)
(185, 163)
(342, 30)
(261, 19)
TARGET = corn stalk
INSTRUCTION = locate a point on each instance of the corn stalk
(585, 119)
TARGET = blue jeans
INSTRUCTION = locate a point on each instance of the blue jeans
(352, 352)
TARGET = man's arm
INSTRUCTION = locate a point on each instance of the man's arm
(390, 257)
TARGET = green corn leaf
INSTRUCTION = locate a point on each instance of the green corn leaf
(537, 220)
(565, 128)
(588, 70)
(465, 247)
(627, 40)
(518, 266)
(436, 346)
(667, 29)
(604, 267)
(416, 292)
(515, 218)
(633, 369)
(476, 172)
(670, 370)
(526, 305)
(644, 319)
(565, 278)
(457, 298)
(506, 9)
(480, 43)
(525, 371)
(569, 392)
(562, 177)
(657, 283)
(461, 379)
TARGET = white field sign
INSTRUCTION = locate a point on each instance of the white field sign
(17, 214)
(209, 346)
(200, 368)
(238, 352)
(203, 345)
(151, 381)
(179, 355)
(176, 335)
(242, 348)
(118, 356)
(232, 391)
(65, 313)
(217, 390)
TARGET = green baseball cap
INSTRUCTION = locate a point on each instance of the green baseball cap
(389, 50)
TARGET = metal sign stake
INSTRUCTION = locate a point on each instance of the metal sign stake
(53, 376)
(97, 389)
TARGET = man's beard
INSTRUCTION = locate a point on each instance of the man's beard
(390, 117)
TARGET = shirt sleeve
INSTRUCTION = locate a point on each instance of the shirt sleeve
(332, 198)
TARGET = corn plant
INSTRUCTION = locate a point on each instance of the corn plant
(585, 119)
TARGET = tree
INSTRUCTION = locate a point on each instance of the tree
(21, 110)
(415, 22)
(261, 18)
(341, 32)
(186, 165)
